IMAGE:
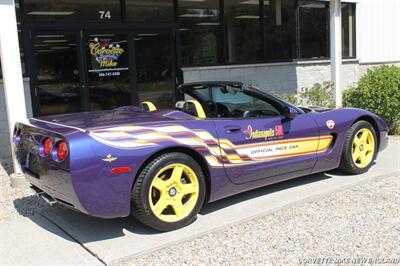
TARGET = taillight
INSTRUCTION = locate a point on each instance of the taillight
(62, 150)
(47, 146)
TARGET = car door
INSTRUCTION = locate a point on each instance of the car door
(256, 148)
(259, 136)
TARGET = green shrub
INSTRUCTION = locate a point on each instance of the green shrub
(290, 98)
(321, 95)
(379, 92)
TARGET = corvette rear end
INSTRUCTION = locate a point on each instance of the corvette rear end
(63, 164)
(43, 153)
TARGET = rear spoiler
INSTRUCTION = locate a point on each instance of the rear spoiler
(34, 121)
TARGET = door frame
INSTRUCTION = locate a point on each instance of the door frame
(174, 67)
(130, 29)
(33, 68)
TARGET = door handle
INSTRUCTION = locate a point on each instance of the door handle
(233, 129)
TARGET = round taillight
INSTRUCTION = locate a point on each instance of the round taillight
(47, 146)
(62, 150)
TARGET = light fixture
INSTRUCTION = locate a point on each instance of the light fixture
(51, 13)
(54, 41)
(247, 17)
(49, 36)
(148, 34)
(102, 35)
(199, 1)
(208, 24)
(197, 15)
(313, 5)
(254, 2)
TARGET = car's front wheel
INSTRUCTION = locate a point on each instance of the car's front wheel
(360, 148)
(169, 192)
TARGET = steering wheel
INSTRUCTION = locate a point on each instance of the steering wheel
(248, 114)
(223, 110)
(210, 108)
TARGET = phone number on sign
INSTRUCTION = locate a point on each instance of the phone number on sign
(109, 74)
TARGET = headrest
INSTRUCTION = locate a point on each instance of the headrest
(147, 107)
(194, 108)
(179, 105)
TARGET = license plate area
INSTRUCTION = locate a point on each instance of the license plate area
(34, 166)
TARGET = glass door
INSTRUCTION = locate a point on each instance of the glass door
(109, 82)
(155, 69)
(56, 73)
(75, 71)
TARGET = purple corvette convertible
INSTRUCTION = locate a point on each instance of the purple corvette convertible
(162, 165)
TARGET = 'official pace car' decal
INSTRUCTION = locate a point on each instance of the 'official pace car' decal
(218, 153)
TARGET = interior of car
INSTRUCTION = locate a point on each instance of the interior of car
(221, 101)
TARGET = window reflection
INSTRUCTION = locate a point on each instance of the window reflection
(155, 69)
(313, 29)
(348, 30)
(150, 10)
(242, 23)
(280, 38)
(57, 73)
(200, 27)
(50, 10)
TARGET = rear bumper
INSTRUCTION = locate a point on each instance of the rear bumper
(83, 181)
(55, 186)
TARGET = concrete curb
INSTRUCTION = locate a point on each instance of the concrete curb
(18, 181)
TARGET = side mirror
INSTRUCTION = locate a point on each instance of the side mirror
(289, 113)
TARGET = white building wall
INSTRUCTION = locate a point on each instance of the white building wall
(282, 77)
(378, 31)
(272, 77)
(279, 78)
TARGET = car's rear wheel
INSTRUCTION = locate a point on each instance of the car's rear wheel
(169, 192)
(360, 148)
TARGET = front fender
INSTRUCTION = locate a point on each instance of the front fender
(343, 119)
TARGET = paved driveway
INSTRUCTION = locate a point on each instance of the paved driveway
(112, 241)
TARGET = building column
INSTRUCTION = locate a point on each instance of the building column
(336, 47)
(11, 68)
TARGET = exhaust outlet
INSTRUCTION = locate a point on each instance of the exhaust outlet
(46, 197)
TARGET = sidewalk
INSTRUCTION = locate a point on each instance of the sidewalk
(68, 237)
(25, 241)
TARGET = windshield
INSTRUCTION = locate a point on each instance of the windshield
(230, 101)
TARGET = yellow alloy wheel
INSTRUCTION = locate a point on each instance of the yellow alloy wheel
(363, 148)
(174, 192)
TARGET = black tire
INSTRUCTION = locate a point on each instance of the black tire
(141, 209)
(347, 164)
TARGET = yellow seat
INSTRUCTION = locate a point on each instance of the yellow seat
(194, 108)
(148, 107)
